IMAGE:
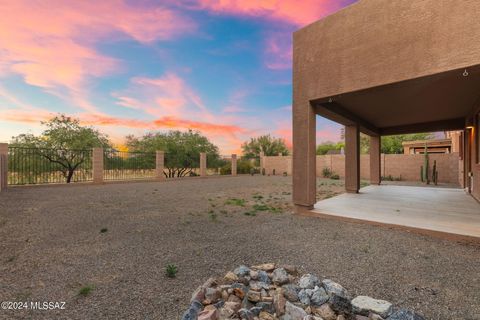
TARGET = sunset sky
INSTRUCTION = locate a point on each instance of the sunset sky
(222, 67)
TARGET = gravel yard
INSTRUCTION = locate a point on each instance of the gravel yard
(103, 249)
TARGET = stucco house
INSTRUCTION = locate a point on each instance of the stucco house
(384, 67)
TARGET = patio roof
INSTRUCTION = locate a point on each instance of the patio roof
(447, 211)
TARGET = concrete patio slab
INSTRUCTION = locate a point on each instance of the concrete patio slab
(445, 210)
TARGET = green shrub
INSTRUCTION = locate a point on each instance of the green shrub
(335, 177)
(391, 178)
(85, 291)
(243, 167)
(327, 172)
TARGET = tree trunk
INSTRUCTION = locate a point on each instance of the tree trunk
(70, 175)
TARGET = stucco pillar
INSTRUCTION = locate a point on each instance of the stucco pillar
(375, 161)
(160, 165)
(234, 164)
(3, 166)
(304, 158)
(352, 159)
(97, 165)
(203, 164)
(262, 162)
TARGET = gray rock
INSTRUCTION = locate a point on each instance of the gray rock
(292, 312)
(279, 276)
(333, 288)
(319, 296)
(263, 277)
(266, 306)
(404, 314)
(193, 310)
(291, 292)
(303, 296)
(242, 271)
(245, 314)
(308, 281)
(258, 285)
(212, 294)
(255, 310)
(340, 304)
(363, 305)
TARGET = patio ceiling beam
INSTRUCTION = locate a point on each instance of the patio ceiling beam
(336, 112)
(443, 125)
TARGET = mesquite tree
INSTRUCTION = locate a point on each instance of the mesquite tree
(182, 150)
(65, 142)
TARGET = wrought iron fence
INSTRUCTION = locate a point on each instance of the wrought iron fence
(42, 166)
(122, 165)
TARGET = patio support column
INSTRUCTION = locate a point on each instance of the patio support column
(352, 159)
(3, 166)
(203, 164)
(375, 163)
(97, 165)
(234, 164)
(160, 165)
(304, 158)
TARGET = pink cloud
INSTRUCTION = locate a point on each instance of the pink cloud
(51, 44)
(278, 51)
(286, 10)
(167, 95)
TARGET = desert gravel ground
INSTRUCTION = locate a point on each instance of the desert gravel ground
(52, 246)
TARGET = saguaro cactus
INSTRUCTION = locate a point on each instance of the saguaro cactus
(425, 168)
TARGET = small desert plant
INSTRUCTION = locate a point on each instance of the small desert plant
(103, 230)
(327, 172)
(212, 215)
(171, 270)
(335, 177)
(235, 202)
(85, 291)
(250, 213)
(265, 207)
(285, 173)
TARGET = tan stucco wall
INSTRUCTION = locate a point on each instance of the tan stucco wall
(375, 42)
(406, 166)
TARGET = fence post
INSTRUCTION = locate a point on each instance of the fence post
(97, 165)
(160, 165)
(262, 162)
(203, 164)
(3, 166)
(234, 164)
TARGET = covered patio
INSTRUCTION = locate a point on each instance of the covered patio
(446, 210)
(380, 68)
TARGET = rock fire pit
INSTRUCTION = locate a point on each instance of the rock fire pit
(270, 292)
